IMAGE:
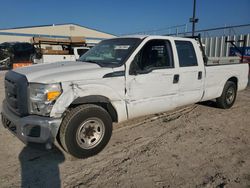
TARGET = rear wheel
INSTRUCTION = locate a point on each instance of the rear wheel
(227, 99)
(86, 130)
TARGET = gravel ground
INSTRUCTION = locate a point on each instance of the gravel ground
(195, 146)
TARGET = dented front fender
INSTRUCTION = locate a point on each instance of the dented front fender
(72, 91)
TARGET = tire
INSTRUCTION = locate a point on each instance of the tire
(227, 99)
(85, 130)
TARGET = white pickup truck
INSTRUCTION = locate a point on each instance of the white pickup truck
(51, 58)
(119, 79)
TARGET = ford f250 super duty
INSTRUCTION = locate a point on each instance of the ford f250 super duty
(119, 79)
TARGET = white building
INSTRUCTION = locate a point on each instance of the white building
(24, 34)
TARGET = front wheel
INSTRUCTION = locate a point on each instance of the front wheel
(86, 130)
(227, 99)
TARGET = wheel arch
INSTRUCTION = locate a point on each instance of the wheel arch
(233, 79)
(97, 100)
(227, 99)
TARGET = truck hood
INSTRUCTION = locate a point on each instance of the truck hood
(63, 71)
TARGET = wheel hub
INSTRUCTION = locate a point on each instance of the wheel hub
(90, 133)
(230, 95)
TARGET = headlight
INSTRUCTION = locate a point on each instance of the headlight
(42, 97)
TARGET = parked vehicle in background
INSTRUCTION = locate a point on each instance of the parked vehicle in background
(51, 50)
(52, 57)
(119, 79)
(14, 54)
(41, 50)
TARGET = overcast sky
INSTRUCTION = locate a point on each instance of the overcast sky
(123, 16)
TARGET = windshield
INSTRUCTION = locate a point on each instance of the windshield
(112, 52)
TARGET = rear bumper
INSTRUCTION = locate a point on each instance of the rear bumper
(30, 128)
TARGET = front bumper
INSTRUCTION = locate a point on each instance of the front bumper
(32, 128)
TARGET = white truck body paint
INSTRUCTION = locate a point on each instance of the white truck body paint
(216, 76)
(112, 89)
(63, 72)
(146, 94)
(142, 94)
(190, 87)
(77, 81)
(153, 92)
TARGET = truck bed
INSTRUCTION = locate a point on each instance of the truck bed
(217, 75)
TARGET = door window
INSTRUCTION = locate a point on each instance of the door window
(156, 54)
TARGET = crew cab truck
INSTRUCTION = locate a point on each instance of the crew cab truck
(119, 79)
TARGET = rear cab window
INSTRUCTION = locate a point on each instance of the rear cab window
(186, 54)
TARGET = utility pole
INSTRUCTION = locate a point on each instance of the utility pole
(194, 20)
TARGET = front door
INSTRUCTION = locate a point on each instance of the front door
(152, 83)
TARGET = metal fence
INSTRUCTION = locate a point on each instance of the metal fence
(216, 32)
(214, 39)
(218, 47)
(185, 30)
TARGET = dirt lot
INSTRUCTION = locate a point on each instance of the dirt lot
(196, 146)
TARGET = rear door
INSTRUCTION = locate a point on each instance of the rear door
(191, 73)
(152, 84)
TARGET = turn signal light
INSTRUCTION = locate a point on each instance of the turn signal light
(52, 95)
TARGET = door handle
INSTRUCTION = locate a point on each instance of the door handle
(199, 75)
(176, 78)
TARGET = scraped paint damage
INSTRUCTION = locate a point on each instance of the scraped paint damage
(73, 90)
